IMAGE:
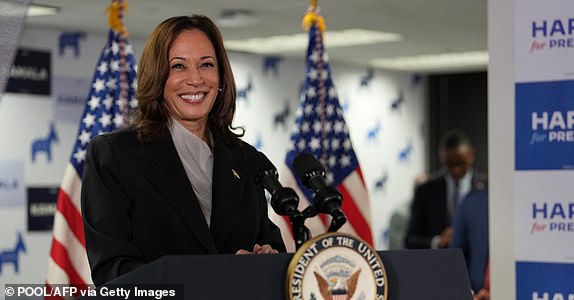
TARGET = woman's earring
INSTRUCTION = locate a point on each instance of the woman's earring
(220, 90)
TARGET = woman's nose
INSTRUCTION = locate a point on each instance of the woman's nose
(194, 77)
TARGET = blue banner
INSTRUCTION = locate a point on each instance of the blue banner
(544, 281)
(544, 137)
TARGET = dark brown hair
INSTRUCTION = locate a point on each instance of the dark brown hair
(153, 116)
(453, 139)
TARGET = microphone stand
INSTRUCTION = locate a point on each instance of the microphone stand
(301, 233)
(284, 201)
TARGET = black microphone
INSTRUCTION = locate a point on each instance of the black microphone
(327, 199)
(284, 200)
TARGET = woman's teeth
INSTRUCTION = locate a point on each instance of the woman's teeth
(194, 97)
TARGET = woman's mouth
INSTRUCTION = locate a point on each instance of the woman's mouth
(192, 97)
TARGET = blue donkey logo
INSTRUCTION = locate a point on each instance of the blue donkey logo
(45, 144)
(71, 40)
(11, 255)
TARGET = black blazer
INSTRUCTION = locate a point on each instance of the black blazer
(429, 214)
(138, 204)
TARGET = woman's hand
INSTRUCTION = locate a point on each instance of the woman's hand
(265, 249)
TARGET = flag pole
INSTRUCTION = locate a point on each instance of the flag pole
(313, 18)
(116, 21)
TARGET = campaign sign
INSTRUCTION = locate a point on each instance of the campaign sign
(41, 207)
(544, 138)
(543, 40)
(544, 216)
(30, 73)
(535, 280)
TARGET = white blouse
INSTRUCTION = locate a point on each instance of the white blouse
(197, 160)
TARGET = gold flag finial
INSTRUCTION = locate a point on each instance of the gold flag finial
(115, 16)
(312, 17)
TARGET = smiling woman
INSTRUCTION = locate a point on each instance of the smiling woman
(195, 57)
(193, 81)
(180, 181)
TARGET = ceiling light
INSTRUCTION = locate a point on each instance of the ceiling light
(435, 62)
(35, 10)
(297, 42)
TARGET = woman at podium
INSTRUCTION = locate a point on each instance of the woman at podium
(180, 180)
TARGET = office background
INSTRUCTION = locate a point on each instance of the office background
(500, 107)
(387, 113)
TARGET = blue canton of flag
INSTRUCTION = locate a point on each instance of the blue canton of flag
(112, 96)
(322, 131)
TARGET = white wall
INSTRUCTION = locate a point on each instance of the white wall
(501, 148)
(24, 118)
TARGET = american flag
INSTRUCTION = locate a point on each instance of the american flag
(109, 106)
(321, 130)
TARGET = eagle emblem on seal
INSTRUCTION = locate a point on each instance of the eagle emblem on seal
(337, 287)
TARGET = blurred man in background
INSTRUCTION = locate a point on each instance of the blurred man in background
(435, 202)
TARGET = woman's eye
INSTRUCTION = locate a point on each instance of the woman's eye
(177, 66)
(207, 65)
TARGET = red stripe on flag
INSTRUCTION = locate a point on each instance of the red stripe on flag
(355, 217)
(60, 255)
(72, 216)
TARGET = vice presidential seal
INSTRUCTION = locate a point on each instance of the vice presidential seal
(336, 266)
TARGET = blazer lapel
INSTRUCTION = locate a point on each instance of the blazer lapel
(168, 176)
(228, 183)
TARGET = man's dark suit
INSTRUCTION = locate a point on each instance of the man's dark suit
(138, 204)
(429, 211)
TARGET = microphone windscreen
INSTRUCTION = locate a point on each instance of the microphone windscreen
(305, 163)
